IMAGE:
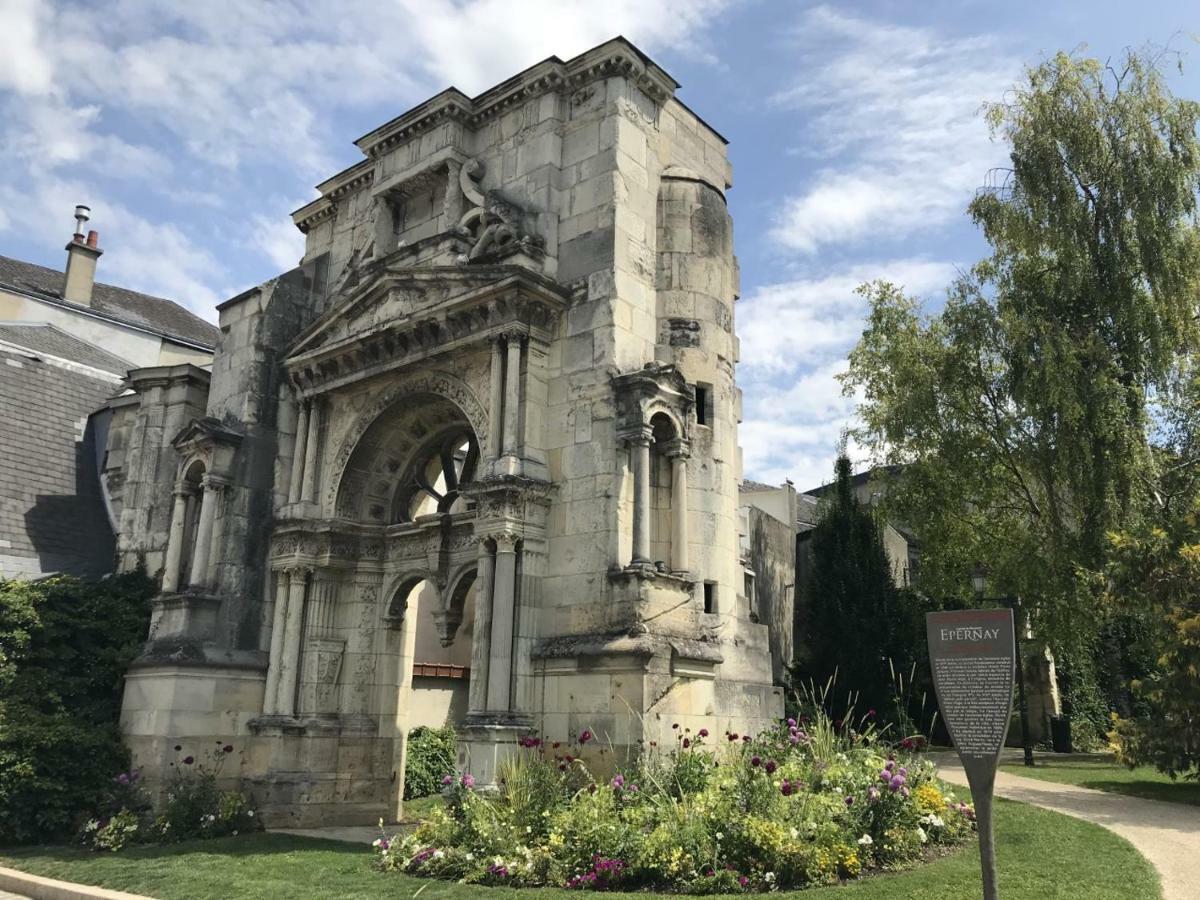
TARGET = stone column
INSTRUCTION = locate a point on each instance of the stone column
(640, 447)
(202, 555)
(289, 655)
(278, 623)
(679, 512)
(298, 452)
(481, 643)
(308, 491)
(512, 395)
(496, 402)
(170, 579)
(504, 609)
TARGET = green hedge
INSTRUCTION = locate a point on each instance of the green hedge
(65, 644)
(430, 759)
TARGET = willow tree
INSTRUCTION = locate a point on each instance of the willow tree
(1025, 411)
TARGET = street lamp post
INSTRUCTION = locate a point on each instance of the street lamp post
(979, 582)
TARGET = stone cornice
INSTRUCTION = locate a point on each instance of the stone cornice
(504, 299)
(617, 57)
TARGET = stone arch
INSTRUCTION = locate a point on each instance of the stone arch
(389, 431)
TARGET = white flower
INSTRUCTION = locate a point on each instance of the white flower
(865, 841)
(837, 790)
(438, 854)
(795, 833)
(769, 877)
(720, 835)
(251, 815)
(376, 842)
(470, 856)
(921, 834)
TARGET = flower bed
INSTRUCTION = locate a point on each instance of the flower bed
(803, 803)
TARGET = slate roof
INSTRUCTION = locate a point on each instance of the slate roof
(748, 485)
(52, 514)
(50, 340)
(156, 314)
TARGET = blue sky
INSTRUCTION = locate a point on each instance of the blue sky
(193, 130)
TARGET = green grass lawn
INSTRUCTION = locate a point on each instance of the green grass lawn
(1042, 855)
(1102, 773)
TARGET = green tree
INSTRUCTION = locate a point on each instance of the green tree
(1025, 412)
(65, 644)
(1157, 572)
(853, 600)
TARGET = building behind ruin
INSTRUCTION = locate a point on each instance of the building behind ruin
(475, 460)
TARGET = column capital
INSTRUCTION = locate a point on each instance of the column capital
(213, 482)
(506, 541)
(184, 488)
(515, 335)
(641, 436)
(678, 449)
(294, 569)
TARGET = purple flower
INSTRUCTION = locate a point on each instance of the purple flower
(732, 735)
(228, 748)
(885, 776)
(585, 736)
(893, 786)
(188, 760)
(122, 778)
(889, 765)
(850, 801)
(686, 743)
(756, 761)
(703, 732)
(743, 880)
(618, 782)
(770, 766)
(745, 738)
(786, 788)
(447, 780)
(791, 723)
(468, 780)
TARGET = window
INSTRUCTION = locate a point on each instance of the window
(751, 597)
(710, 596)
(704, 403)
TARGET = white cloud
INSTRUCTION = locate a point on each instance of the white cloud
(196, 100)
(795, 336)
(892, 127)
(794, 324)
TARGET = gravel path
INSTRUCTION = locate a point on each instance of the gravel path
(1167, 834)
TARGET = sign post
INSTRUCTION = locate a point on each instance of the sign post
(973, 656)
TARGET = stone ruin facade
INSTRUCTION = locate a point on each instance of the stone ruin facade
(474, 461)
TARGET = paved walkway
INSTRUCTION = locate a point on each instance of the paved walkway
(1167, 834)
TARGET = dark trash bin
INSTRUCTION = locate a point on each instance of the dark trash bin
(1060, 734)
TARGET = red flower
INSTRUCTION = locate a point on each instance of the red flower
(188, 760)
(686, 743)
(585, 736)
(228, 748)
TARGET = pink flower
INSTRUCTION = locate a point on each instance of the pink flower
(447, 780)
(468, 780)
(585, 736)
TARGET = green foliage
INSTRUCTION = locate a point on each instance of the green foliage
(1052, 399)
(852, 595)
(65, 644)
(1158, 570)
(863, 628)
(430, 758)
(194, 806)
(799, 804)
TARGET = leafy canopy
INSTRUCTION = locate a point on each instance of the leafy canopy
(1025, 412)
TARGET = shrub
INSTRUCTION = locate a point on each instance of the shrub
(799, 804)
(430, 758)
(65, 644)
(194, 806)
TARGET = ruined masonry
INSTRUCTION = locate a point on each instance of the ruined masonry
(474, 461)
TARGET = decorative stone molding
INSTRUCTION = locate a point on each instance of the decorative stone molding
(398, 317)
(653, 389)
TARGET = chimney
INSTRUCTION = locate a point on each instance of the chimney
(82, 254)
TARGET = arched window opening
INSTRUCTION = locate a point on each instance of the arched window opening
(433, 481)
(663, 434)
(192, 483)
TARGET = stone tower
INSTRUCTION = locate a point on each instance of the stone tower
(474, 461)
